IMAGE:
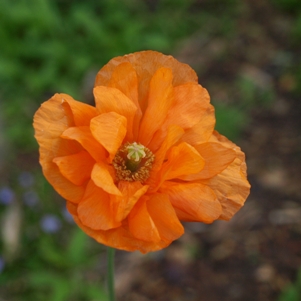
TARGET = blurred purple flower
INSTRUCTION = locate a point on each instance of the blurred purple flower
(6, 195)
(30, 198)
(68, 217)
(26, 179)
(50, 223)
(2, 264)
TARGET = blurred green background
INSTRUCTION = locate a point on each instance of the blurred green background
(49, 46)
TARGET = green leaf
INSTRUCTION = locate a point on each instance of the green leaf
(96, 292)
(291, 293)
(230, 121)
(55, 286)
(76, 251)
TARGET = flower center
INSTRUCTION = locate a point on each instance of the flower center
(133, 162)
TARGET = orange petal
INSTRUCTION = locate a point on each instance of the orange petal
(112, 100)
(102, 178)
(64, 187)
(119, 238)
(145, 64)
(50, 121)
(72, 208)
(161, 135)
(190, 105)
(224, 141)
(109, 129)
(190, 102)
(124, 78)
(94, 210)
(231, 187)
(174, 134)
(141, 225)
(76, 168)
(217, 158)
(202, 131)
(82, 113)
(164, 217)
(131, 192)
(160, 98)
(197, 201)
(84, 136)
(182, 160)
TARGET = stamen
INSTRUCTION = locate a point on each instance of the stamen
(133, 162)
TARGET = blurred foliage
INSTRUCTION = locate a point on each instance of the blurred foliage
(231, 120)
(53, 261)
(50, 46)
(293, 8)
(288, 5)
(55, 273)
(293, 291)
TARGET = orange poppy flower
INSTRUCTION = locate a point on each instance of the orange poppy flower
(144, 158)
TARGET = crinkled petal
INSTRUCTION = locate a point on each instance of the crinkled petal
(231, 188)
(182, 160)
(76, 168)
(112, 100)
(50, 121)
(120, 238)
(194, 202)
(94, 210)
(217, 157)
(231, 185)
(124, 78)
(202, 131)
(85, 138)
(160, 98)
(224, 141)
(190, 105)
(146, 63)
(109, 129)
(174, 134)
(164, 217)
(141, 224)
(131, 192)
(82, 113)
(102, 177)
(64, 187)
(190, 102)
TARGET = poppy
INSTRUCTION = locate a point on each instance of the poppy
(144, 158)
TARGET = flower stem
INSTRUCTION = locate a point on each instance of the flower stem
(110, 273)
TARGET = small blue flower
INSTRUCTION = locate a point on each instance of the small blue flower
(26, 179)
(6, 195)
(30, 198)
(50, 223)
(2, 264)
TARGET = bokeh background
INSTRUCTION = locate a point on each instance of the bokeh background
(247, 53)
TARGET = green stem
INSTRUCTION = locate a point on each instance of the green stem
(110, 273)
